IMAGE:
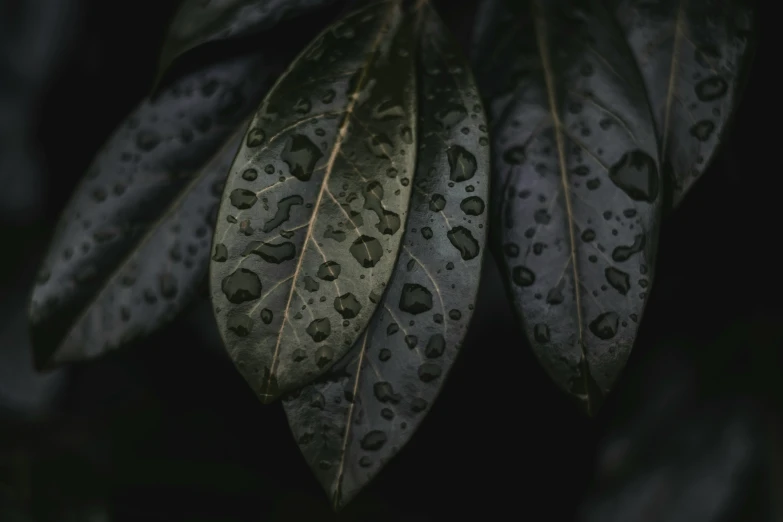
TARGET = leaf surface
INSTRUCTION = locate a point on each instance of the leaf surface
(577, 189)
(133, 242)
(349, 424)
(314, 209)
(692, 55)
(197, 22)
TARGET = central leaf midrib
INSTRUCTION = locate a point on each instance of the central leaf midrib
(324, 184)
(543, 49)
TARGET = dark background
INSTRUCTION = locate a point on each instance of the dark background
(691, 433)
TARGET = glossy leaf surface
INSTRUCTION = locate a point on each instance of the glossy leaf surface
(197, 22)
(313, 213)
(349, 424)
(133, 242)
(577, 185)
(692, 56)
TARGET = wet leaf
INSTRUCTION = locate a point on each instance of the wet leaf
(577, 187)
(133, 242)
(315, 233)
(198, 22)
(351, 423)
(692, 56)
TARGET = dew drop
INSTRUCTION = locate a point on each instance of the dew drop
(637, 175)
(415, 299)
(241, 286)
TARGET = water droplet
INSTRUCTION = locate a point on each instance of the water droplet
(450, 115)
(511, 249)
(337, 235)
(267, 315)
(541, 333)
(436, 345)
(418, 405)
(311, 285)
(271, 252)
(522, 276)
(623, 253)
(437, 203)
(455, 314)
(241, 286)
(462, 239)
(462, 164)
(384, 392)
(367, 251)
(299, 355)
(637, 175)
(555, 295)
(711, 88)
(319, 329)
(702, 130)
(243, 198)
(347, 305)
(415, 299)
(324, 354)
(255, 137)
(605, 325)
(411, 341)
(283, 213)
(380, 146)
(472, 206)
(392, 329)
(406, 134)
(302, 106)
(384, 355)
(221, 253)
(618, 279)
(329, 271)
(240, 324)
(168, 285)
(588, 235)
(428, 372)
(373, 441)
(250, 174)
(301, 155)
(147, 139)
(426, 233)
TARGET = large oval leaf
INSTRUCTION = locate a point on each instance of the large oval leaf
(693, 56)
(197, 22)
(349, 424)
(133, 242)
(312, 215)
(577, 184)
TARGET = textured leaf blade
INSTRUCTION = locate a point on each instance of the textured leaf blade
(197, 22)
(577, 185)
(133, 242)
(349, 424)
(692, 56)
(312, 215)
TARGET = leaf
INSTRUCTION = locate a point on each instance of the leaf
(692, 56)
(197, 22)
(577, 186)
(312, 214)
(133, 242)
(349, 424)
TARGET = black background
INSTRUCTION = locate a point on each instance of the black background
(168, 430)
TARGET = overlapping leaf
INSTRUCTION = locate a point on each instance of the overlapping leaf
(133, 242)
(313, 213)
(577, 184)
(349, 424)
(692, 56)
(198, 22)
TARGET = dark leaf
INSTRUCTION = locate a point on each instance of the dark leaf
(133, 242)
(577, 188)
(351, 423)
(693, 56)
(198, 22)
(314, 209)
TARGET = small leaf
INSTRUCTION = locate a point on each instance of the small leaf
(692, 56)
(316, 232)
(351, 423)
(133, 242)
(197, 22)
(577, 185)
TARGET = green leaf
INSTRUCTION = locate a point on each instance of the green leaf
(577, 188)
(133, 242)
(313, 212)
(693, 56)
(197, 22)
(351, 423)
